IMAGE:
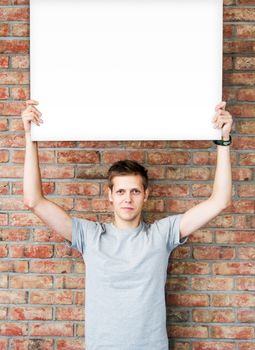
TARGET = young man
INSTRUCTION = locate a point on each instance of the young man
(126, 261)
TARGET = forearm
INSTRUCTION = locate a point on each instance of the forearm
(222, 187)
(32, 185)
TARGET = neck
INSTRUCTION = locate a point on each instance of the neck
(122, 225)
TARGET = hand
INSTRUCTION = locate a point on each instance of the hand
(31, 114)
(223, 119)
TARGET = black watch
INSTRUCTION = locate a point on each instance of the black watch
(223, 142)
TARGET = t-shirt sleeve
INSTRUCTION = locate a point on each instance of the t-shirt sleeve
(170, 227)
(79, 233)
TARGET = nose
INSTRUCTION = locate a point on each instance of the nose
(128, 197)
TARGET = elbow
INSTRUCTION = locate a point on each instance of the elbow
(226, 204)
(30, 203)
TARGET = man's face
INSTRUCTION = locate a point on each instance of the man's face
(127, 197)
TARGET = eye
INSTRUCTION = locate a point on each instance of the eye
(135, 191)
(120, 191)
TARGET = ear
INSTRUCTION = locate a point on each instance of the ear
(146, 195)
(110, 195)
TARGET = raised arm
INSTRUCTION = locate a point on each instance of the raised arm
(50, 213)
(220, 198)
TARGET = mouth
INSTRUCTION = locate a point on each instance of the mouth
(127, 208)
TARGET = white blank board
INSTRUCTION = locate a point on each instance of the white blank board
(126, 69)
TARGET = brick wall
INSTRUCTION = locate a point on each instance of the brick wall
(211, 292)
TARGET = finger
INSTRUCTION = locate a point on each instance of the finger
(31, 102)
(32, 109)
(31, 116)
(221, 105)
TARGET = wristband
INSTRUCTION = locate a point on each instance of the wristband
(223, 142)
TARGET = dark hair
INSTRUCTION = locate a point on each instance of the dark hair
(127, 167)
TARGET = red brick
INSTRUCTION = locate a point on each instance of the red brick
(30, 313)
(33, 282)
(4, 61)
(213, 253)
(4, 188)
(246, 316)
(20, 2)
(31, 251)
(239, 47)
(19, 93)
(47, 187)
(72, 282)
(246, 190)
(4, 156)
(212, 346)
(189, 144)
(14, 46)
(239, 79)
(239, 14)
(62, 251)
(14, 14)
(79, 267)
(11, 108)
(44, 156)
(241, 174)
(3, 281)
(13, 329)
(49, 266)
(227, 63)
(229, 93)
(233, 300)
(12, 141)
(110, 157)
(92, 172)
(247, 159)
(245, 283)
(78, 157)
(247, 253)
(245, 31)
(72, 344)
(14, 266)
(4, 93)
(244, 63)
(232, 332)
(80, 330)
(209, 316)
(3, 219)
(187, 173)
(4, 29)
(14, 78)
(244, 143)
(11, 297)
(175, 190)
(177, 284)
(26, 344)
(3, 251)
(188, 331)
(100, 144)
(239, 237)
(246, 95)
(20, 29)
(228, 30)
(51, 329)
(70, 313)
(57, 172)
(247, 346)
(201, 236)
(24, 219)
(51, 297)
(181, 252)
(9, 234)
(3, 342)
(233, 268)
(189, 268)
(81, 188)
(11, 203)
(213, 283)
(168, 158)
(188, 300)
(246, 127)
(80, 298)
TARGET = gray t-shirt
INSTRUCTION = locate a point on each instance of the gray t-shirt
(126, 273)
